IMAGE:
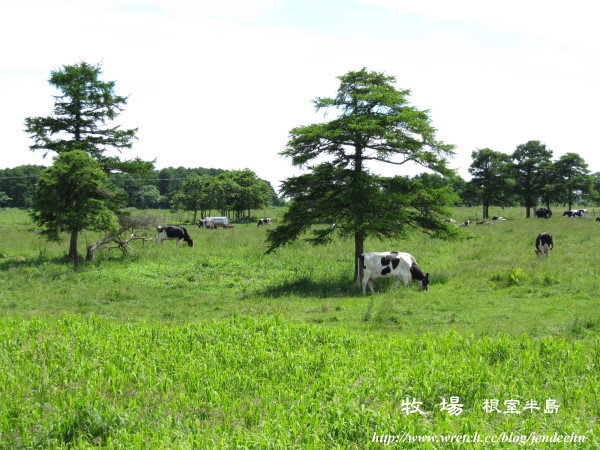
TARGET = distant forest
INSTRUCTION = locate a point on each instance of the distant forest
(157, 189)
(164, 188)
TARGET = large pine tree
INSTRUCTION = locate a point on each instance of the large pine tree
(83, 120)
(376, 123)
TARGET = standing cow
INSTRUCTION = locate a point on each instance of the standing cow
(543, 244)
(173, 232)
(264, 221)
(576, 213)
(389, 264)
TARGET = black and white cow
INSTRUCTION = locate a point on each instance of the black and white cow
(597, 219)
(466, 223)
(543, 244)
(543, 213)
(389, 264)
(173, 232)
(264, 221)
(576, 213)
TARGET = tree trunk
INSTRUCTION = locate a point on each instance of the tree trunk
(359, 249)
(73, 255)
(359, 237)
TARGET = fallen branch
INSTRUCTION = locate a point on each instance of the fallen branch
(122, 244)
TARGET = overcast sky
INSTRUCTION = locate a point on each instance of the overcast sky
(221, 83)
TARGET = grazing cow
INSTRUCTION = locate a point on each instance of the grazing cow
(576, 213)
(466, 223)
(264, 221)
(543, 213)
(393, 264)
(543, 244)
(173, 232)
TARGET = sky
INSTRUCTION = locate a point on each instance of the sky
(220, 84)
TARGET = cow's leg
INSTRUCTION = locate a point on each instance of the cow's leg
(397, 282)
(371, 285)
(406, 280)
(364, 283)
(367, 281)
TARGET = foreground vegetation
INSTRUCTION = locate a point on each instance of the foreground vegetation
(267, 382)
(221, 345)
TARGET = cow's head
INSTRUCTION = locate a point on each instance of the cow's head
(425, 282)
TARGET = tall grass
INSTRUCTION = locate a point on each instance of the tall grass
(269, 383)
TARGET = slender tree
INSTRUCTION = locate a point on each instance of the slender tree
(376, 123)
(530, 161)
(491, 177)
(572, 178)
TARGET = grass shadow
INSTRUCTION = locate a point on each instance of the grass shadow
(7, 264)
(309, 287)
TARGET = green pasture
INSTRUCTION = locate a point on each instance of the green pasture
(222, 346)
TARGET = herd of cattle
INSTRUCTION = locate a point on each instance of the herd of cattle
(180, 234)
(399, 265)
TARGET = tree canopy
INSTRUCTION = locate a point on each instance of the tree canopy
(83, 118)
(236, 191)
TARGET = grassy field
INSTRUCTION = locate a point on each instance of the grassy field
(220, 345)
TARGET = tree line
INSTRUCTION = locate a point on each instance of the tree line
(157, 189)
(529, 177)
(498, 179)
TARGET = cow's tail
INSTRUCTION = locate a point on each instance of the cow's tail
(360, 262)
